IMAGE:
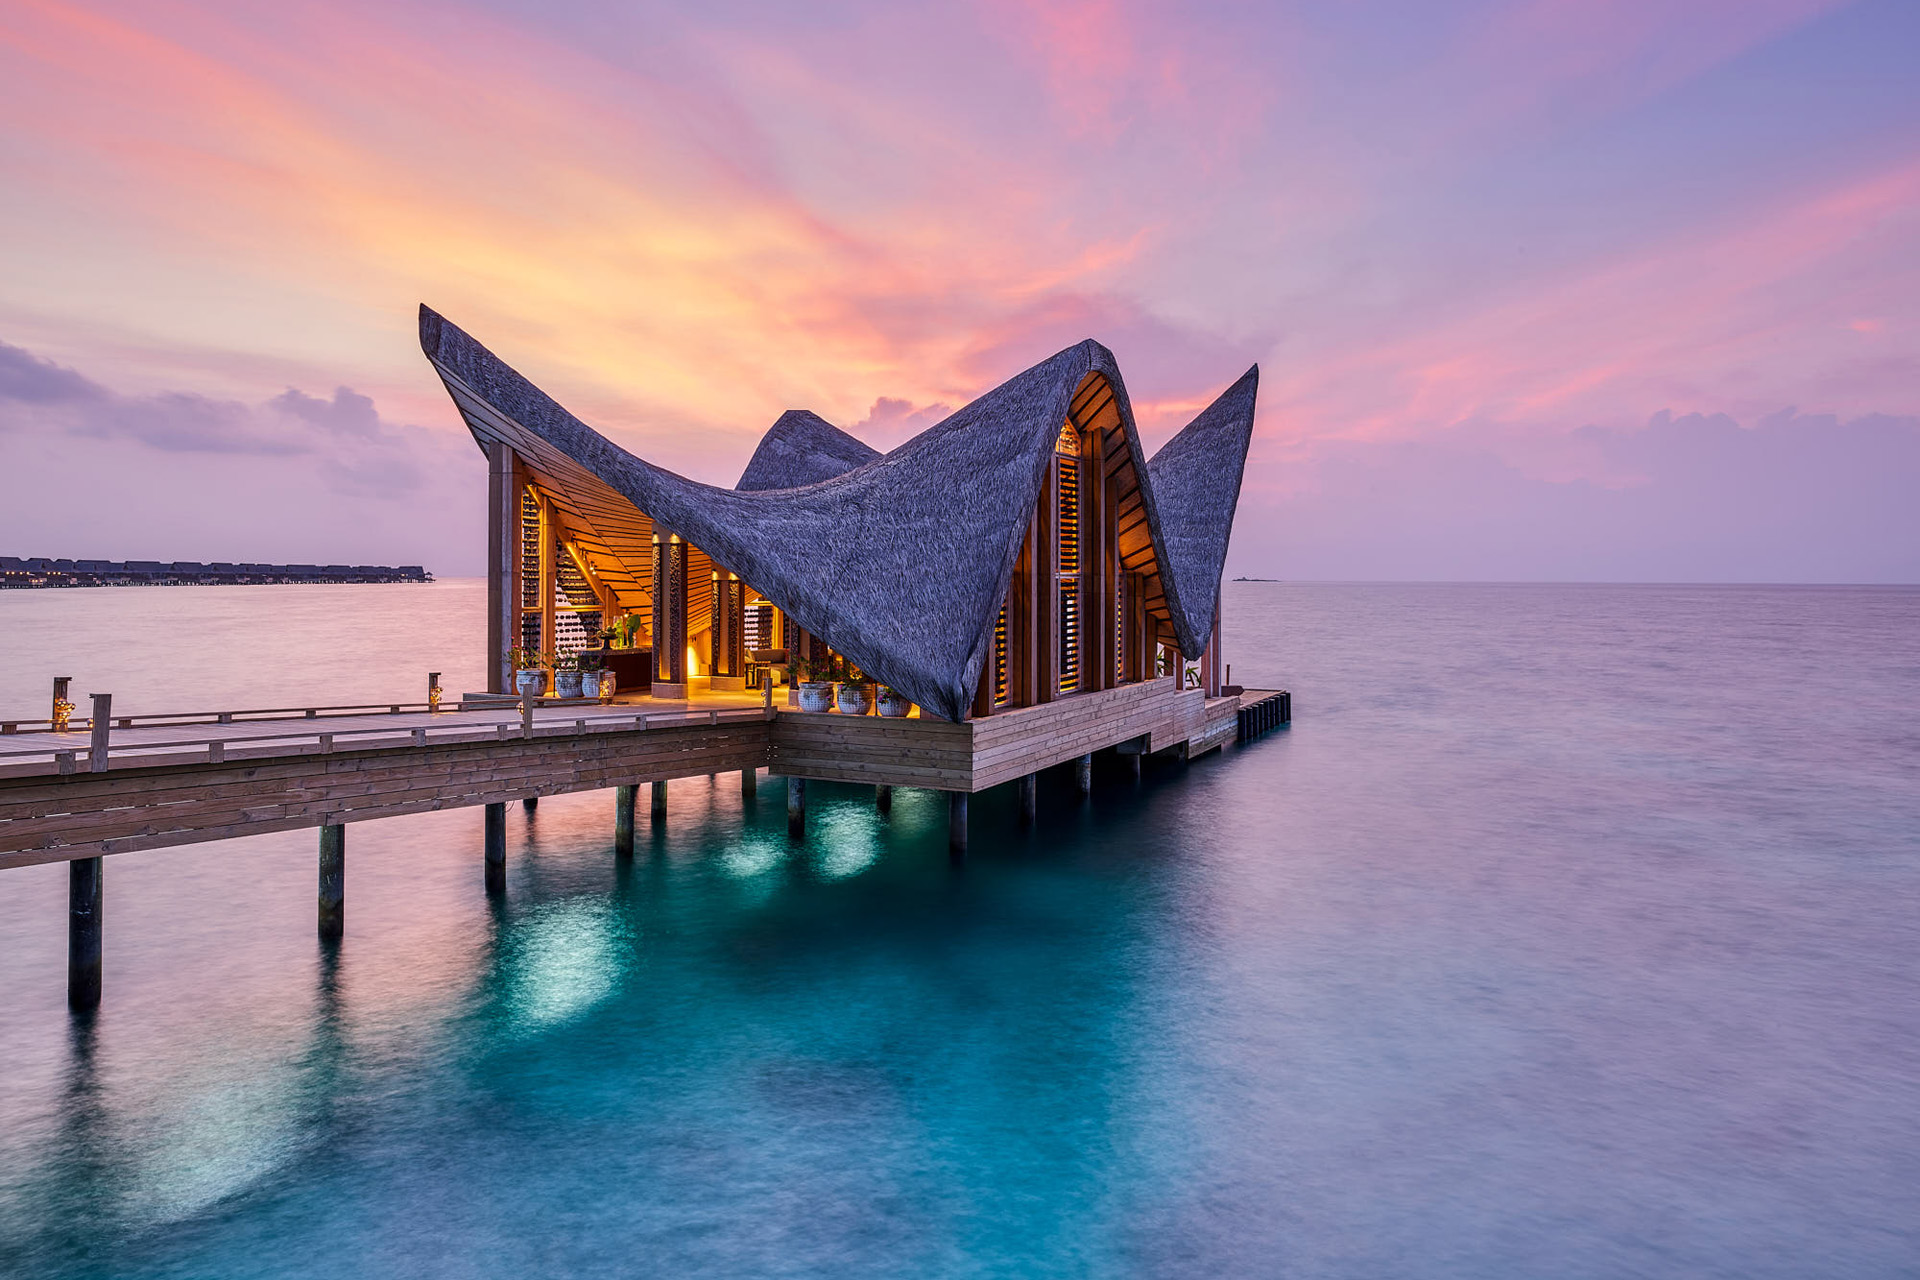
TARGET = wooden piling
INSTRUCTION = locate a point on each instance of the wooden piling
(883, 799)
(530, 803)
(333, 881)
(623, 805)
(749, 783)
(84, 896)
(1083, 774)
(1133, 765)
(956, 825)
(659, 810)
(796, 806)
(1029, 798)
(496, 824)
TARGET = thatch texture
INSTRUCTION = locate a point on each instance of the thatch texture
(1196, 481)
(800, 449)
(901, 562)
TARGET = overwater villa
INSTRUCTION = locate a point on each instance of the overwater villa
(1021, 584)
(1022, 551)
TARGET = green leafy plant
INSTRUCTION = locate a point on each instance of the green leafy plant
(528, 659)
(566, 662)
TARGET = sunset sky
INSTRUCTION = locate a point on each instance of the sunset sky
(1620, 289)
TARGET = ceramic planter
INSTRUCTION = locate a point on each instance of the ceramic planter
(816, 695)
(855, 699)
(894, 704)
(566, 684)
(530, 680)
(590, 684)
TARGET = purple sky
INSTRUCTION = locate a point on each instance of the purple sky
(1567, 289)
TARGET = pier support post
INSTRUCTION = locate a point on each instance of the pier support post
(1029, 798)
(1083, 774)
(623, 806)
(496, 824)
(1133, 763)
(883, 799)
(333, 881)
(749, 783)
(658, 815)
(83, 934)
(956, 825)
(530, 803)
(796, 806)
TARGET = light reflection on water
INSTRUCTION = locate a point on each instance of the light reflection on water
(1543, 944)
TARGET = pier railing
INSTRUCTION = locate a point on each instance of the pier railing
(98, 755)
(167, 719)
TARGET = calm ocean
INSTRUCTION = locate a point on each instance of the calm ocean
(1570, 931)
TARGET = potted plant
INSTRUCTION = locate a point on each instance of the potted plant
(592, 676)
(855, 693)
(566, 675)
(893, 703)
(529, 671)
(815, 695)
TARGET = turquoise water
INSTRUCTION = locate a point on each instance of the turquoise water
(1569, 931)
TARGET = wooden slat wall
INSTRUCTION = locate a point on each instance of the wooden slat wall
(615, 535)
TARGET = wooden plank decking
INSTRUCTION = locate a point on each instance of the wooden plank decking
(172, 784)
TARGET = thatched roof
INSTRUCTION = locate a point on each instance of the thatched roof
(803, 448)
(1196, 481)
(901, 562)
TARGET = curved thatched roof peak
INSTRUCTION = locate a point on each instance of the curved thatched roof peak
(803, 448)
(1196, 482)
(899, 563)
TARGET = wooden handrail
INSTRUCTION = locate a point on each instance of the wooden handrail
(163, 718)
(416, 735)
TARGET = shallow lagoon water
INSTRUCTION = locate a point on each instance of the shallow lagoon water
(1569, 931)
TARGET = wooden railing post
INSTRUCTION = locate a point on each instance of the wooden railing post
(62, 715)
(102, 725)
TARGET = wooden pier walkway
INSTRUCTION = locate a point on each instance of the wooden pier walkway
(147, 782)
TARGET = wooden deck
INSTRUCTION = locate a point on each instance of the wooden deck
(180, 781)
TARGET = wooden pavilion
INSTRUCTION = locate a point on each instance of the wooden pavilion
(1022, 551)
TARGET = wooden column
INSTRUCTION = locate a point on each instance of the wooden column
(333, 881)
(1097, 624)
(548, 578)
(729, 625)
(496, 848)
(503, 548)
(1029, 798)
(956, 824)
(1046, 588)
(84, 944)
(1213, 680)
(669, 616)
(1023, 672)
(796, 806)
(658, 815)
(623, 805)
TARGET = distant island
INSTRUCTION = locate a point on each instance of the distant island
(19, 574)
(1256, 579)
